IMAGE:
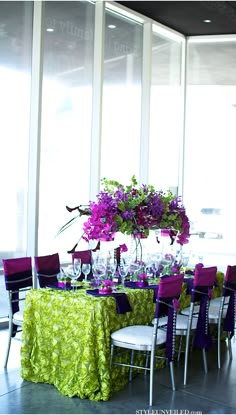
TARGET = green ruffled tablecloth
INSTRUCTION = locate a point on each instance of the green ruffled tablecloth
(66, 339)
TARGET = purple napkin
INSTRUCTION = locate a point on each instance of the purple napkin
(132, 284)
(68, 288)
(122, 303)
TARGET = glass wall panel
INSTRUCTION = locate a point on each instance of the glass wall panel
(166, 116)
(121, 116)
(209, 179)
(66, 120)
(15, 79)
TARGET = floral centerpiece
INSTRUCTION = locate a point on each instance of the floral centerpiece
(132, 210)
(105, 287)
(142, 279)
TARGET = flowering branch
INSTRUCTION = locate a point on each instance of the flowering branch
(132, 210)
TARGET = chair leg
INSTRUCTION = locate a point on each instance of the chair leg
(9, 343)
(146, 363)
(131, 362)
(187, 353)
(152, 360)
(230, 347)
(112, 353)
(218, 344)
(172, 375)
(204, 360)
(180, 348)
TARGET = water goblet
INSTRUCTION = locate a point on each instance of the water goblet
(123, 271)
(166, 262)
(77, 267)
(99, 271)
(86, 270)
(135, 269)
(111, 265)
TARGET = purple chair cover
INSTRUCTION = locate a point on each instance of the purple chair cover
(167, 304)
(17, 274)
(122, 303)
(204, 280)
(229, 289)
(47, 268)
(86, 258)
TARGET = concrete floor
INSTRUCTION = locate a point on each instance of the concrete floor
(211, 393)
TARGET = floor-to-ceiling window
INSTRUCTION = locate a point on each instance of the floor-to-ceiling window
(166, 111)
(209, 175)
(66, 120)
(122, 89)
(15, 80)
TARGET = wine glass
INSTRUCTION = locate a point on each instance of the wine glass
(77, 267)
(123, 269)
(111, 265)
(99, 270)
(74, 272)
(86, 270)
(135, 269)
(166, 262)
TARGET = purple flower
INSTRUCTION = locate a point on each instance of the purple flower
(143, 276)
(123, 248)
(135, 210)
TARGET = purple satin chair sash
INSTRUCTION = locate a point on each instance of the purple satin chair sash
(47, 278)
(17, 274)
(229, 318)
(202, 338)
(166, 308)
(122, 303)
(15, 282)
(18, 280)
(229, 289)
(132, 284)
(167, 305)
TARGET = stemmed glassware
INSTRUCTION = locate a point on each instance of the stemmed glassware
(77, 267)
(99, 270)
(135, 268)
(76, 271)
(166, 262)
(111, 265)
(123, 269)
(86, 270)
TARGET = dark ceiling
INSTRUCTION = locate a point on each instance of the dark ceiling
(187, 17)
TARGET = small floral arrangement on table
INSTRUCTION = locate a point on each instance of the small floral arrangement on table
(132, 210)
(142, 279)
(105, 287)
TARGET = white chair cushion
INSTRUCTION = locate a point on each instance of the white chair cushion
(186, 310)
(18, 318)
(214, 312)
(217, 301)
(138, 335)
(182, 323)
